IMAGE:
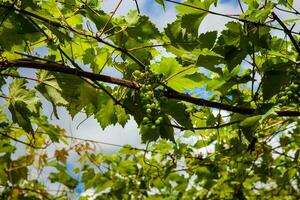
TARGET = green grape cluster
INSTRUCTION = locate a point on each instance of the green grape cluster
(291, 93)
(149, 93)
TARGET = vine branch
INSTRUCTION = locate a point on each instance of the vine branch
(287, 31)
(170, 93)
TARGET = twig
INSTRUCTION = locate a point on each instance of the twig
(24, 77)
(110, 18)
(287, 11)
(179, 72)
(147, 46)
(137, 6)
(253, 71)
(33, 57)
(230, 16)
(20, 141)
(288, 32)
(241, 7)
(208, 127)
(292, 7)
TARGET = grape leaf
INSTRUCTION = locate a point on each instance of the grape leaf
(23, 103)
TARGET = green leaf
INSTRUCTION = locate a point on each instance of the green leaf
(147, 134)
(142, 29)
(98, 58)
(50, 89)
(167, 67)
(16, 31)
(188, 134)
(106, 116)
(166, 131)
(204, 4)
(64, 178)
(72, 87)
(121, 115)
(107, 112)
(250, 121)
(89, 56)
(258, 15)
(181, 39)
(209, 60)
(5, 147)
(105, 185)
(272, 81)
(54, 132)
(232, 35)
(249, 126)
(177, 110)
(209, 163)
(20, 173)
(191, 17)
(191, 22)
(132, 18)
(207, 40)
(175, 74)
(99, 17)
(286, 3)
(23, 103)
(19, 168)
(200, 144)
(95, 4)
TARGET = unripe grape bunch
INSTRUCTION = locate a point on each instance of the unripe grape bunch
(149, 94)
(290, 94)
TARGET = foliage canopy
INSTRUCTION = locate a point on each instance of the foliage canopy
(238, 138)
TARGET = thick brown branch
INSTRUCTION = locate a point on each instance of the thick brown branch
(170, 93)
(202, 102)
(198, 101)
(288, 113)
(61, 68)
